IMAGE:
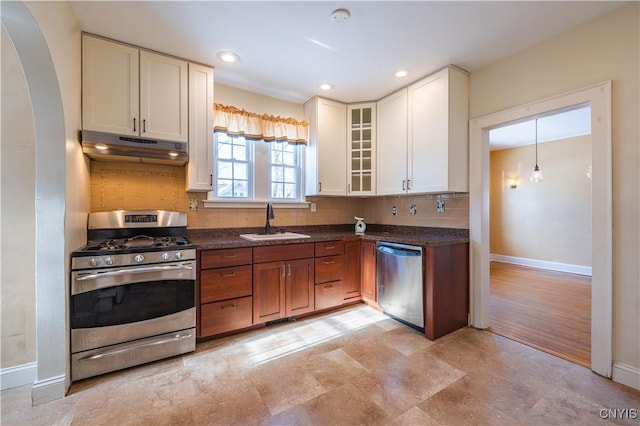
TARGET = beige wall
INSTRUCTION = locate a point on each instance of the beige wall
(254, 102)
(17, 338)
(550, 220)
(456, 215)
(606, 48)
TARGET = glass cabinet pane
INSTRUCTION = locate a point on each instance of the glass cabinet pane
(366, 116)
(355, 118)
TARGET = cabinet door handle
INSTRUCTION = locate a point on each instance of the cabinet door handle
(319, 186)
(289, 270)
(211, 181)
(408, 184)
(144, 125)
(329, 262)
(330, 247)
(282, 271)
(329, 287)
(134, 124)
(403, 184)
(227, 307)
(228, 274)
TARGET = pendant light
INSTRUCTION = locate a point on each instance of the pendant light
(536, 173)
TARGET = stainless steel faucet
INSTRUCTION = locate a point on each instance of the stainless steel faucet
(270, 215)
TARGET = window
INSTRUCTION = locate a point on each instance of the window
(249, 170)
(234, 164)
(284, 171)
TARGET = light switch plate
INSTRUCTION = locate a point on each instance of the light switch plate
(440, 206)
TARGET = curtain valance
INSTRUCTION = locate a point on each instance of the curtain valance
(235, 121)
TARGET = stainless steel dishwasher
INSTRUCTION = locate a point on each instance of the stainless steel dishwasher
(399, 282)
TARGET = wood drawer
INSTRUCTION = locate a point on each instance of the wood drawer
(329, 248)
(225, 257)
(330, 268)
(220, 317)
(282, 252)
(225, 283)
(329, 294)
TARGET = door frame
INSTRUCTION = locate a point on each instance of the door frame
(598, 96)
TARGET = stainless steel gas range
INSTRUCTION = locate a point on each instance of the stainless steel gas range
(132, 291)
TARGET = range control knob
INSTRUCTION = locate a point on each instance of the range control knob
(108, 260)
(138, 258)
(165, 256)
(94, 261)
(178, 255)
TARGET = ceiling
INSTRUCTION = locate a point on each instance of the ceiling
(288, 48)
(557, 125)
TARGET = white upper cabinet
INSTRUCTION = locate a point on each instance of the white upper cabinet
(437, 138)
(163, 97)
(133, 92)
(110, 95)
(423, 136)
(199, 173)
(391, 170)
(361, 145)
(326, 153)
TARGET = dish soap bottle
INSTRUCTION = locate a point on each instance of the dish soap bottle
(360, 225)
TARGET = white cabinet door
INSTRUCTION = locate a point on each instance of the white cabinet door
(199, 176)
(163, 97)
(427, 134)
(361, 148)
(438, 133)
(391, 170)
(326, 154)
(109, 87)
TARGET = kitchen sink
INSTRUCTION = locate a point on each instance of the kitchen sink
(274, 236)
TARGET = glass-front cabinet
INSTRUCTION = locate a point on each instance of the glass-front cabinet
(361, 136)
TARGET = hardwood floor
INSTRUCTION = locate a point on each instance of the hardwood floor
(547, 310)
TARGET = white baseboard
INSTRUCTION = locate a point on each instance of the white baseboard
(20, 375)
(542, 264)
(626, 374)
(48, 390)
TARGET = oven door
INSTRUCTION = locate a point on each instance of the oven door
(111, 306)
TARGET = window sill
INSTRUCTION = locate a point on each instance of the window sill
(253, 204)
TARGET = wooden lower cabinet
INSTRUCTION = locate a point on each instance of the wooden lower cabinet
(446, 295)
(228, 315)
(282, 289)
(368, 271)
(351, 270)
(329, 294)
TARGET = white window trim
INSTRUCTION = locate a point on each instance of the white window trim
(255, 204)
(261, 194)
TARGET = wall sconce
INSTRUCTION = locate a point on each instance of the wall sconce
(513, 183)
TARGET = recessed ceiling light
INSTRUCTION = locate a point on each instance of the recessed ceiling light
(401, 73)
(340, 15)
(326, 86)
(227, 56)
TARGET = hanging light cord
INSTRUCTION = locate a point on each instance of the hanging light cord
(536, 168)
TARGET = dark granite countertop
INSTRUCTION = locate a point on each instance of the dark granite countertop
(414, 235)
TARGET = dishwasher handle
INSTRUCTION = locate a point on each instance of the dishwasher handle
(399, 251)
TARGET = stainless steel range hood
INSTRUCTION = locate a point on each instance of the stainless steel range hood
(107, 146)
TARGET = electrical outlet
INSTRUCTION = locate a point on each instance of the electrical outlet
(193, 204)
(440, 206)
(314, 207)
(394, 210)
(413, 209)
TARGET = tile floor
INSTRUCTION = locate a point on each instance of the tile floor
(353, 366)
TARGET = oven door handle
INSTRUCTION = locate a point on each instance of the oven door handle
(134, 271)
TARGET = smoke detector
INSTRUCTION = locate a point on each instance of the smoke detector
(339, 16)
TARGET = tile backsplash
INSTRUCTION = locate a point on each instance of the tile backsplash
(137, 186)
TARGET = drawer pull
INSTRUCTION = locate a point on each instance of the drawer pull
(329, 262)
(330, 247)
(228, 256)
(228, 307)
(228, 274)
(329, 287)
